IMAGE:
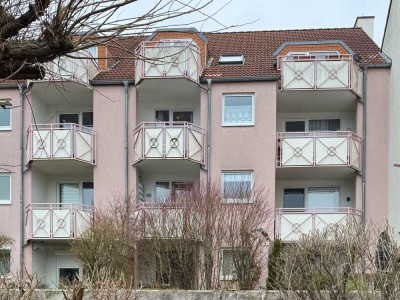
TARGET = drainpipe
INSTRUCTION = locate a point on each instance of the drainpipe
(21, 183)
(209, 81)
(126, 85)
(364, 142)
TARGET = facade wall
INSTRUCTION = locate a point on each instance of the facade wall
(377, 152)
(391, 46)
(10, 164)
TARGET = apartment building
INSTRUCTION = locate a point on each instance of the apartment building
(304, 113)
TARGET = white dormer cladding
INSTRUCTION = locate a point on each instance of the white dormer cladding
(313, 54)
(231, 59)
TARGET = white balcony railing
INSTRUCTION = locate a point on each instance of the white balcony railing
(80, 67)
(61, 141)
(169, 140)
(56, 220)
(167, 220)
(310, 73)
(318, 148)
(168, 59)
(292, 223)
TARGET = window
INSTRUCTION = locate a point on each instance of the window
(5, 189)
(84, 118)
(237, 186)
(232, 261)
(68, 275)
(5, 261)
(77, 193)
(312, 125)
(312, 197)
(5, 118)
(180, 116)
(238, 110)
(234, 59)
(173, 191)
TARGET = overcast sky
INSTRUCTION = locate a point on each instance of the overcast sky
(286, 14)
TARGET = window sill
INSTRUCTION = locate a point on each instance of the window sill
(5, 128)
(238, 125)
(5, 203)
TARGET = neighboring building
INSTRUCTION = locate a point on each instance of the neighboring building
(391, 46)
(289, 110)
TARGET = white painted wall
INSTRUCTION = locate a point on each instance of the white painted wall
(391, 46)
(347, 189)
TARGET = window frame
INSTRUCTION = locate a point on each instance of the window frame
(172, 190)
(171, 113)
(228, 277)
(236, 200)
(307, 122)
(7, 127)
(7, 201)
(80, 117)
(240, 124)
(80, 184)
(306, 188)
(6, 249)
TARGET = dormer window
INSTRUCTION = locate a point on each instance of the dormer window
(232, 59)
(313, 55)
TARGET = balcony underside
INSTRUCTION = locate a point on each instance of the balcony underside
(312, 173)
(297, 101)
(64, 166)
(168, 166)
(165, 88)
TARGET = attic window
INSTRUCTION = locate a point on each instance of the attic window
(232, 59)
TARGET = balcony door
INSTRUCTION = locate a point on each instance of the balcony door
(84, 118)
(318, 198)
(293, 198)
(177, 116)
(76, 193)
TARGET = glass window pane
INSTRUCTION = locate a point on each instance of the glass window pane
(323, 197)
(162, 191)
(5, 192)
(324, 125)
(69, 118)
(181, 189)
(228, 265)
(183, 116)
(5, 261)
(295, 126)
(238, 109)
(293, 198)
(69, 193)
(5, 117)
(87, 119)
(237, 185)
(87, 193)
(162, 116)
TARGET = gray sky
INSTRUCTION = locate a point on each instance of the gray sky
(285, 14)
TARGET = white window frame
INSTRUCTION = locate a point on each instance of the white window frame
(236, 200)
(231, 59)
(7, 201)
(172, 110)
(306, 193)
(232, 124)
(229, 277)
(171, 189)
(307, 120)
(7, 127)
(80, 183)
(80, 116)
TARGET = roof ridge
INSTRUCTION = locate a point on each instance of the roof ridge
(285, 30)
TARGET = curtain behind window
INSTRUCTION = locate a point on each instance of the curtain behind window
(324, 125)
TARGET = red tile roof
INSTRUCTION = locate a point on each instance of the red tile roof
(257, 47)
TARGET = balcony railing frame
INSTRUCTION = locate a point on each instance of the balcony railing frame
(165, 60)
(354, 73)
(188, 130)
(351, 214)
(49, 130)
(352, 139)
(56, 217)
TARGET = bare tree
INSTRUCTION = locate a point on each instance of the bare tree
(343, 259)
(33, 32)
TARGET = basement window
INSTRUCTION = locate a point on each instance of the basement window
(232, 59)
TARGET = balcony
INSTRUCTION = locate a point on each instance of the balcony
(169, 140)
(167, 220)
(311, 73)
(56, 221)
(168, 59)
(60, 142)
(81, 68)
(318, 148)
(292, 223)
